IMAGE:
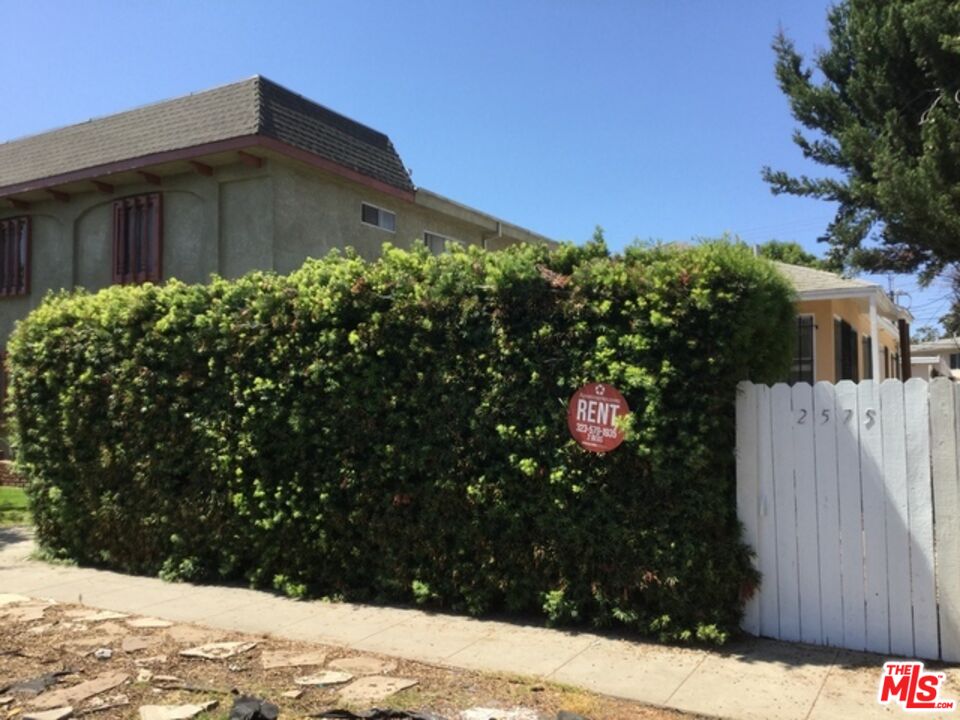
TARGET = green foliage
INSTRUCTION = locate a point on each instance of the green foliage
(924, 333)
(794, 254)
(951, 321)
(396, 430)
(884, 116)
(13, 507)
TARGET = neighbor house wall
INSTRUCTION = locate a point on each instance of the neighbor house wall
(239, 219)
(317, 211)
(855, 311)
(72, 242)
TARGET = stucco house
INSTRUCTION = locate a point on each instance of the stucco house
(847, 329)
(245, 176)
(939, 358)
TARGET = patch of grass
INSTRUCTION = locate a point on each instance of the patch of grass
(13, 507)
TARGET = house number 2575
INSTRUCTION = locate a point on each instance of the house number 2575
(870, 415)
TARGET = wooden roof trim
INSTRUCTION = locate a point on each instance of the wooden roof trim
(187, 154)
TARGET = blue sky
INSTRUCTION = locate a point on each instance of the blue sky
(651, 118)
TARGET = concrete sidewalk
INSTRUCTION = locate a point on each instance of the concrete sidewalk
(758, 679)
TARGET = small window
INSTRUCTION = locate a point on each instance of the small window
(378, 217)
(955, 361)
(803, 359)
(14, 256)
(137, 239)
(436, 242)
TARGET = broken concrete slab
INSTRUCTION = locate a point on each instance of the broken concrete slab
(148, 622)
(486, 713)
(271, 659)
(55, 714)
(102, 704)
(25, 612)
(174, 712)
(218, 651)
(10, 598)
(85, 615)
(363, 665)
(190, 634)
(327, 677)
(78, 693)
(135, 643)
(112, 628)
(374, 688)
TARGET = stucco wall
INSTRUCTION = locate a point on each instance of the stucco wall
(246, 226)
(72, 242)
(316, 212)
(242, 218)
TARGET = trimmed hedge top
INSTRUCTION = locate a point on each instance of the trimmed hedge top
(396, 430)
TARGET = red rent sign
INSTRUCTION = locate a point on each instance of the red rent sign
(592, 417)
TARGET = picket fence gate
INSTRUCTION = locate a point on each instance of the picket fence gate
(849, 495)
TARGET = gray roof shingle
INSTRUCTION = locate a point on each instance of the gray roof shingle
(805, 279)
(255, 106)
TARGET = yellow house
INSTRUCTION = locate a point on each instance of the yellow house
(846, 329)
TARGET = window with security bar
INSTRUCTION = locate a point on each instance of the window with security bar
(137, 239)
(14, 256)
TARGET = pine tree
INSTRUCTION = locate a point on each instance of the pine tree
(881, 111)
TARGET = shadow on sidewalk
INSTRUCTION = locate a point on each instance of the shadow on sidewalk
(15, 534)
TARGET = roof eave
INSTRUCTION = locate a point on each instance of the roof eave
(865, 292)
(244, 142)
(441, 203)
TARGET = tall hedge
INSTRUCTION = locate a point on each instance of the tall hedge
(395, 430)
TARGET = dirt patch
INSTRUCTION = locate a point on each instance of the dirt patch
(94, 648)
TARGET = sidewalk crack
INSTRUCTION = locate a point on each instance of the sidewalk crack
(571, 658)
(833, 664)
(683, 682)
(383, 629)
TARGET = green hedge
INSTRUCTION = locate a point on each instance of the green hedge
(395, 430)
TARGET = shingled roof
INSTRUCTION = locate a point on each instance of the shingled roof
(806, 279)
(252, 107)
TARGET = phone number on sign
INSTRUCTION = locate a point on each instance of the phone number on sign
(595, 432)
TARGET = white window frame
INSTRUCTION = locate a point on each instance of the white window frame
(379, 210)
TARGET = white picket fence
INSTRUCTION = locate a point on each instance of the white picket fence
(849, 495)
